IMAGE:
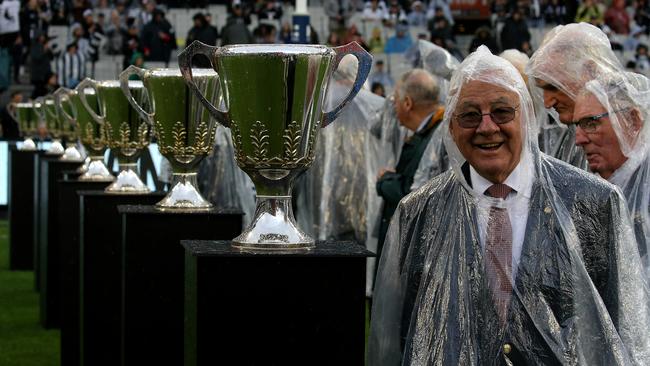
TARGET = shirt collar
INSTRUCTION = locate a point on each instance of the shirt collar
(520, 179)
(424, 122)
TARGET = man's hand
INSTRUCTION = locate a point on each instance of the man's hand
(383, 171)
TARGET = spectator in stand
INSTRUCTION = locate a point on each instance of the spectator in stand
(400, 42)
(245, 10)
(103, 10)
(131, 43)
(379, 75)
(641, 60)
(52, 83)
(8, 125)
(158, 38)
(589, 12)
(33, 21)
(617, 18)
(440, 28)
(285, 33)
(555, 12)
(78, 8)
(201, 31)
(212, 28)
(396, 15)
(353, 35)
(71, 66)
(417, 17)
(378, 89)
(334, 40)
(376, 41)
(339, 13)
(483, 36)
(142, 12)
(434, 5)
(270, 10)
(515, 32)
(642, 15)
(94, 33)
(17, 56)
(374, 10)
(40, 57)
(235, 31)
(59, 12)
(116, 33)
(265, 32)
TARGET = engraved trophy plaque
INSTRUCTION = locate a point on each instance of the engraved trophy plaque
(184, 128)
(274, 98)
(126, 134)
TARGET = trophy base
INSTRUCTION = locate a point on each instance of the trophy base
(273, 228)
(84, 167)
(55, 149)
(97, 172)
(71, 154)
(28, 145)
(127, 182)
(184, 196)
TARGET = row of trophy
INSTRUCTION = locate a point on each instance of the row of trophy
(270, 96)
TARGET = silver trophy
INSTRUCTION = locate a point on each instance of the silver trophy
(24, 114)
(274, 98)
(126, 134)
(46, 112)
(67, 125)
(184, 128)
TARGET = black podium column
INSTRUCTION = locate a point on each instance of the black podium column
(296, 308)
(48, 248)
(68, 223)
(153, 273)
(21, 209)
(100, 242)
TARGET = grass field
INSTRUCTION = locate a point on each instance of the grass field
(23, 342)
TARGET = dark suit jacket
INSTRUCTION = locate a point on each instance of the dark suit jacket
(553, 303)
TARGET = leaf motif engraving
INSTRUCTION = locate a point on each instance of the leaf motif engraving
(292, 139)
(125, 133)
(178, 135)
(260, 141)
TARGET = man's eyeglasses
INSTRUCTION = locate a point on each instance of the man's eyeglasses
(498, 115)
(590, 124)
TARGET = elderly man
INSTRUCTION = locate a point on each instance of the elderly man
(611, 114)
(417, 109)
(511, 257)
(570, 56)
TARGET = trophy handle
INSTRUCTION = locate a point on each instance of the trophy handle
(39, 110)
(363, 69)
(124, 84)
(81, 89)
(185, 63)
(58, 101)
(47, 111)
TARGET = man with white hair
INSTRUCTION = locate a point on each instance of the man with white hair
(511, 257)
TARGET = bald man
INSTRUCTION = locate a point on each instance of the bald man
(417, 109)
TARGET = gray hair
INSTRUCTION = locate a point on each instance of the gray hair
(420, 85)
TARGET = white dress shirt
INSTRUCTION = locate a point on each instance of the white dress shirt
(517, 203)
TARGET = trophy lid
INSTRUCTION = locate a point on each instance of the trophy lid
(176, 72)
(274, 49)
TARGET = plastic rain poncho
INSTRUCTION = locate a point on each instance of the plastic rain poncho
(441, 64)
(626, 97)
(579, 295)
(222, 182)
(569, 57)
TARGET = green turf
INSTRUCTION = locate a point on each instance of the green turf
(23, 342)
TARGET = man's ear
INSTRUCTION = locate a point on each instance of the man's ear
(637, 121)
(408, 103)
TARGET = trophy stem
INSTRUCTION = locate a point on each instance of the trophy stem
(128, 181)
(97, 171)
(273, 227)
(184, 195)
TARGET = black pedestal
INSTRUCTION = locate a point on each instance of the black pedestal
(100, 241)
(21, 209)
(153, 273)
(303, 308)
(68, 223)
(48, 246)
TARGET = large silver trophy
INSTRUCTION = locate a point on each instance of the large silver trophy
(127, 135)
(184, 128)
(24, 114)
(46, 112)
(274, 98)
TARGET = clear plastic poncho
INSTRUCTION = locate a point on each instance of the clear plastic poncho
(626, 97)
(570, 56)
(441, 64)
(579, 296)
(222, 182)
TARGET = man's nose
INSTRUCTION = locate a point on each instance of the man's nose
(487, 126)
(581, 137)
(549, 100)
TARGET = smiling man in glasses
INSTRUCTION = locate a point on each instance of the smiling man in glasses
(511, 257)
(610, 115)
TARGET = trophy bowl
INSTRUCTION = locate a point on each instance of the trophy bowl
(274, 98)
(23, 113)
(184, 128)
(67, 125)
(126, 134)
(47, 114)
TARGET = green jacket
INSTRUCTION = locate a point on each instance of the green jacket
(392, 187)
